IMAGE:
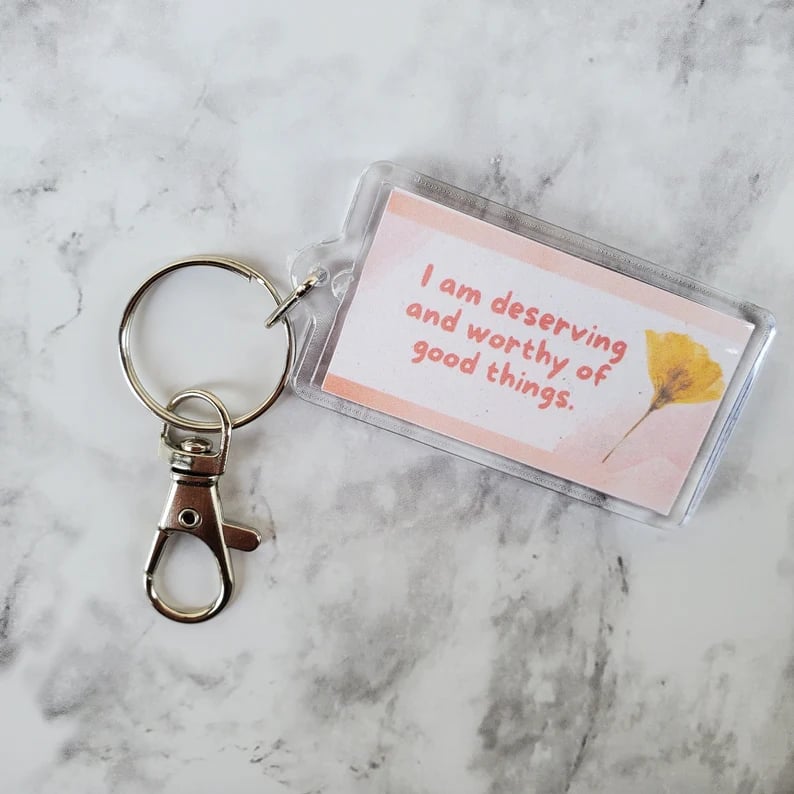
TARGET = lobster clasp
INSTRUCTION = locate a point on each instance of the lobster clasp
(193, 506)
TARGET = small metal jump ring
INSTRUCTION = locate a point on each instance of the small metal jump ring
(181, 422)
(314, 279)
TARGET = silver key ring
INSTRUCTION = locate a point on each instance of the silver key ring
(131, 375)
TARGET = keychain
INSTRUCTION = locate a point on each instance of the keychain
(193, 505)
(492, 335)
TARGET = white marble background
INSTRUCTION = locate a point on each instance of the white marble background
(421, 624)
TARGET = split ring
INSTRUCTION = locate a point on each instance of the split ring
(164, 413)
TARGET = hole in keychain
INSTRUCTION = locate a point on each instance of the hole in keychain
(188, 574)
(193, 504)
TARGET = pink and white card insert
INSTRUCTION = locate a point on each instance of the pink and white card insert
(515, 347)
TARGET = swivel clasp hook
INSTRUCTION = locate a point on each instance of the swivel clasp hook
(193, 506)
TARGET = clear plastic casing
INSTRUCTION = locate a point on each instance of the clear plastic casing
(559, 252)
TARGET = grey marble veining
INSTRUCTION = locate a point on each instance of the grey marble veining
(420, 624)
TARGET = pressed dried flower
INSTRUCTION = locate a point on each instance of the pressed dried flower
(681, 371)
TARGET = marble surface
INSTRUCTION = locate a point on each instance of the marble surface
(420, 624)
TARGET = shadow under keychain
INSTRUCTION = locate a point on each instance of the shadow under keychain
(492, 335)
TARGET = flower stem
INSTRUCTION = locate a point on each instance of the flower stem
(628, 433)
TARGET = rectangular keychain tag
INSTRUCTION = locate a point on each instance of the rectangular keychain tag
(498, 337)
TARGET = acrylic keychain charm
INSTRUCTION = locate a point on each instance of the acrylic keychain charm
(193, 504)
(493, 335)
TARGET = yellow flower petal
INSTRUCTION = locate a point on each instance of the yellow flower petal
(681, 370)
